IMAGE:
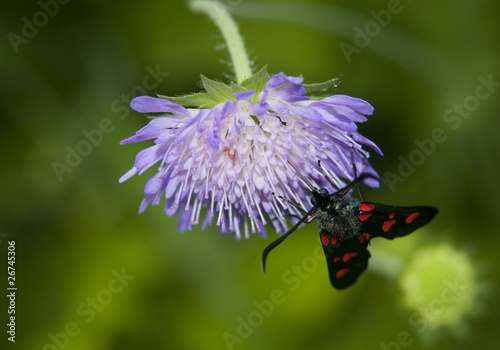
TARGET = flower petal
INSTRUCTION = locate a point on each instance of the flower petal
(147, 104)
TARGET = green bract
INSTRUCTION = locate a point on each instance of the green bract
(216, 92)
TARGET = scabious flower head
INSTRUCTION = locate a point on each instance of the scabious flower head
(238, 152)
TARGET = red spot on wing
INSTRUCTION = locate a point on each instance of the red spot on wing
(363, 217)
(348, 256)
(334, 240)
(324, 240)
(341, 273)
(412, 217)
(387, 225)
(366, 206)
(336, 259)
(365, 237)
(391, 215)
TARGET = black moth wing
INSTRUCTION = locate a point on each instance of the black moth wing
(346, 259)
(390, 221)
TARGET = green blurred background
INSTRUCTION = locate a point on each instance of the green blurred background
(77, 232)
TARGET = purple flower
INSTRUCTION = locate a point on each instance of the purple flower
(240, 157)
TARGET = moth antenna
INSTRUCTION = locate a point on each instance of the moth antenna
(285, 235)
(360, 178)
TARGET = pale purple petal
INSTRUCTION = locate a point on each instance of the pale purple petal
(147, 104)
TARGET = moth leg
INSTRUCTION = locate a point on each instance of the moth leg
(295, 205)
(358, 186)
(312, 218)
(307, 221)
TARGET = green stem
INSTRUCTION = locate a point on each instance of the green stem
(219, 14)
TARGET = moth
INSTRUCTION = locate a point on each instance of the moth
(347, 225)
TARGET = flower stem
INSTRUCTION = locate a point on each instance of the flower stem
(219, 14)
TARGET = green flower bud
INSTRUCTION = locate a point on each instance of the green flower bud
(439, 283)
